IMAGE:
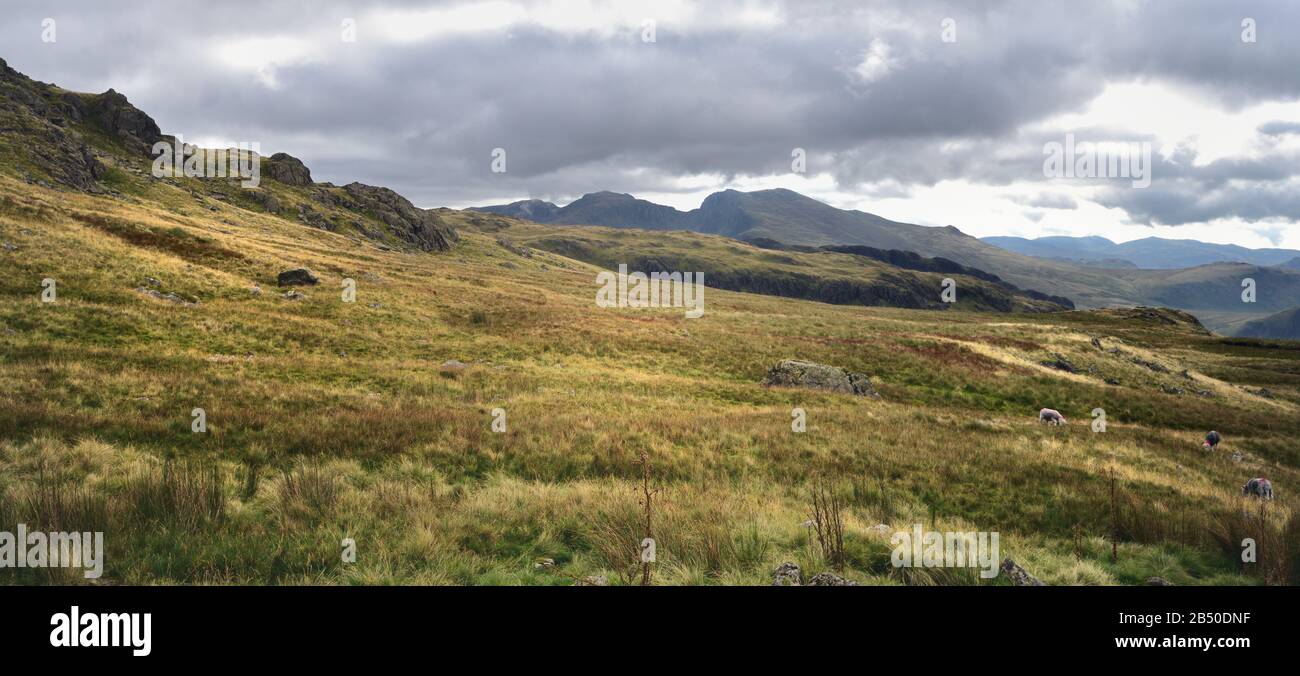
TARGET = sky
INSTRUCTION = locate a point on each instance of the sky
(923, 111)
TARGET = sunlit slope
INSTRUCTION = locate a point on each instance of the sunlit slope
(329, 419)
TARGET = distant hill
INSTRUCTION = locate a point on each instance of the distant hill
(1293, 264)
(1152, 253)
(1284, 324)
(789, 218)
(835, 275)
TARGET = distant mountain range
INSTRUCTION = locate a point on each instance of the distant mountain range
(1096, 273)
(1152, 253)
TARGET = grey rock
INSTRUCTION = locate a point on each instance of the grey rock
(592, 581)
(787, 575)
(794, 373)
(287, 169)
(1018, 576)
(830, 580)
(1060, 363)
(1158, 581)
(168, 297)
(115, 115)
(297, 277)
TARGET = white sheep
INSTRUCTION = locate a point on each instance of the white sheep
(1051, 417)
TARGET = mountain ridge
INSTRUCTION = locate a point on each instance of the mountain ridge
(1149, 253)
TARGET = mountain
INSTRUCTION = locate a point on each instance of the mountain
(1096, 276)
(1284, 324)
(790, 218)
(533, 210)
(618, 210)
(1293, 264)
(1152, 253)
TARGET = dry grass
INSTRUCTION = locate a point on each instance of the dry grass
(330, 420)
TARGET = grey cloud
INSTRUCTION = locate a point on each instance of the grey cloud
(582, 112)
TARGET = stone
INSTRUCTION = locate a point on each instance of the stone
(795, 373)
(169, 297)
(787, 575)
(830, 580)
(592, 581)
(1018, 576)
(297, 277)
(1158, 581)
(1059, 363)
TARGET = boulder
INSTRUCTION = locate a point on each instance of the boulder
(1018, 576)
(830, 580)
(297, 277)
(592, 581)
(794, 373)
(1059, 363)
(1158, 582)
(787, 575)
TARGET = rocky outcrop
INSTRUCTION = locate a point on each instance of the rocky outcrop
(113, 113)
(297, 277)
(287, 169)
(794, 373)
(39, 114)
(47, 123)
(416, 226)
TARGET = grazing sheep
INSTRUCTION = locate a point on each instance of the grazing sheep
(1212, 441)
(1258, 487)
(1051, 417)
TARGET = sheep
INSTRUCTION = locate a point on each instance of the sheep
(1258, 487)
(1212, 440)
(1051, 417)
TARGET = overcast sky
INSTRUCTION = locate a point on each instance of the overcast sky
(895, 116)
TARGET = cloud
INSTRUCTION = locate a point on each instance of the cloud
(581, 102)
(1279, 128)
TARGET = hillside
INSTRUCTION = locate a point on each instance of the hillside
(1284, 324)
(1151, 253)
(826, 276)
(791, 219)
(786, 216)
(473, 417)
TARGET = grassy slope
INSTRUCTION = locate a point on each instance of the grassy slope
(354, 432)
